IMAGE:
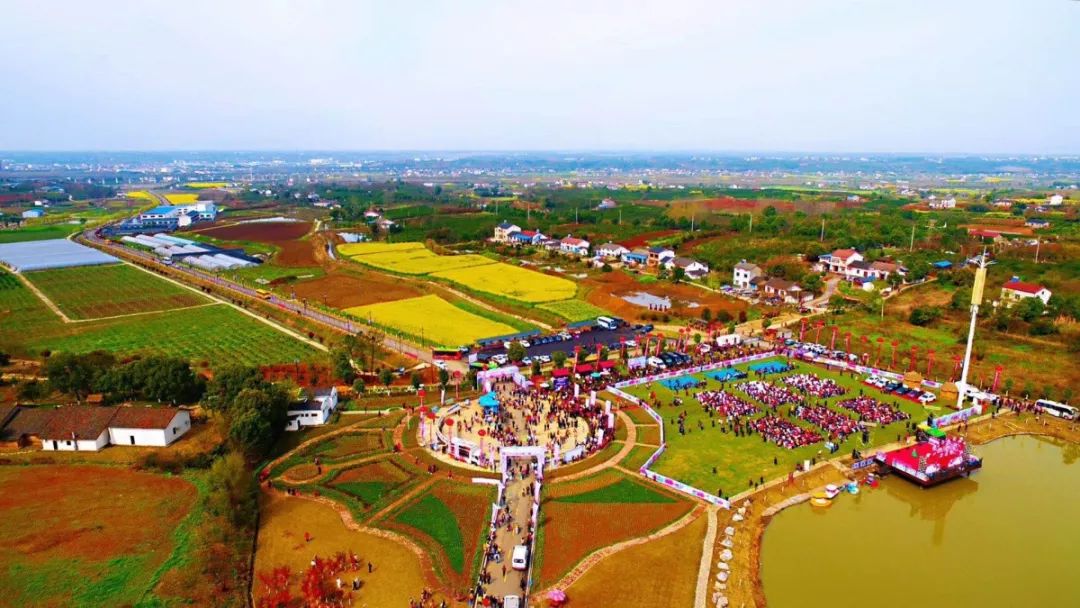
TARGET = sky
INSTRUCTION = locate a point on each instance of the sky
(933, 76)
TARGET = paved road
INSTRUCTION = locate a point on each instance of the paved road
(504, 579)
(319, 317)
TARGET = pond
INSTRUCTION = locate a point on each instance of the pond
(1007, 536)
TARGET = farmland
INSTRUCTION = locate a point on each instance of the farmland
(432, 319)
(182, 198)
(284, 239)
(216, 334)
(573, 310)
(409, 258)
(77, 545)
(512, 282)
(39, 233)
(117, 289)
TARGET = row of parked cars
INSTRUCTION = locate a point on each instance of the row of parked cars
(821, 351)
(896, 388)
(668, 359)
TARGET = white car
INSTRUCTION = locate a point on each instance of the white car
(927, 398)
(440, 364)
(655, 362)
(527, 360)
(631, 343)
(511, 601)
(519, 559)
(525, 343)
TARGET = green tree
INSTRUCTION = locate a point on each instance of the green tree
(228, 382)
(232, 490)
(417, 379)
(706, 315)
(386, 377)
(343, 368)
(359, 387)
(78, 374)
(5, 359)
(535, 368)
(516, 352)
(812, 282)
(961, 299)
(559, 358)
(924, 315)
(444, 378)
(678, 275)
(1030, 309)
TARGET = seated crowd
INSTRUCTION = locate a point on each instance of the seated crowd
(726, 404)
(837, 425)
(872, 410)
(770, 394)
(783, 433)
(813, 385)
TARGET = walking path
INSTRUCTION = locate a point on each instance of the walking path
(404, 498)
(505, 580)
(41, 296)
(701, 594)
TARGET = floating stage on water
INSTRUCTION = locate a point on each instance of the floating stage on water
(931, 462)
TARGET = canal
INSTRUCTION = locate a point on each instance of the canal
(1008, 536)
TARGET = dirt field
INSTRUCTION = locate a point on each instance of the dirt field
(397, 573)
(341, 290)
(643, 239)
(664, 573)
(568, 537)
(292, 252)
(727, 204)
(85, 535)
(606, 291)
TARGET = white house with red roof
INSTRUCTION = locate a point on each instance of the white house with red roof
(574, 246)
(89, 428)
(1016, 290)
(839, 260)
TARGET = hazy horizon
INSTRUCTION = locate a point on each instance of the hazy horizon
(833, 77)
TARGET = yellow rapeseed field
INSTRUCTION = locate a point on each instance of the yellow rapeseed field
(512, 282)
(182, 199)
(353, 249)
(433, 319)
(201, 185)
(141, 195)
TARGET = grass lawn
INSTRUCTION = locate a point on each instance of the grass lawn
(623, 491)
(115, 289)
(690, 458)
(432, 517)
(637, 457)
(215, 334)
(574, 310)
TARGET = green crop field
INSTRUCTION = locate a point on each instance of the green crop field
(218, 334)
(39, 233)
(116, 289)
(574, 310)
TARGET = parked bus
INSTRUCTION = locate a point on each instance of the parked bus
(1065, 412)
(609, 322)
(263, 294)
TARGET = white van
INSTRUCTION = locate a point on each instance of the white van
(511, 601)
(519, 559)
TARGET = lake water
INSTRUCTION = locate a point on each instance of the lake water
(1008, 536)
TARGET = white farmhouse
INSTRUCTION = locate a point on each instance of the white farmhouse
(312, 411)
(744, 274)
(148, 426)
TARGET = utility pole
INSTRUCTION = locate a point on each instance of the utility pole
(620, 216)
(976, 299)
(575, 215)
(822, 239)
(1037, 243)
(692, 217)
(751, 223)
(912, 246)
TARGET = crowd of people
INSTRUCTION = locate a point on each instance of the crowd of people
(783, 433)
(871, 410)
(726, 404)
(770, 394)
(811, 384)
(507, 532)
(837, 425)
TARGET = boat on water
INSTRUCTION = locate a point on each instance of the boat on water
(820, 500)
(831, 491)
(852, 487)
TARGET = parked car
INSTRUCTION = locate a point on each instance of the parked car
(519, 559)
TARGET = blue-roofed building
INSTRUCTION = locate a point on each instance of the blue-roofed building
(178, 216)
(635, 257)
(943, 265)
(33, 213)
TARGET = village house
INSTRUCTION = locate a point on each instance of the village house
(1056, 200)
(787, 291)
(504, 230)
(944, 203)
(89, 428)
(312, 410)
(20, 427)
(33, 213)
(386, 224)
(1036, 222)
(371, 215)
(659, 256)
(611, 251)
(522, 238)
(745, 272)
(607, 203)
(574, 246)
(637, 257)
(837, 262)
(1016, 290)
(693, 269)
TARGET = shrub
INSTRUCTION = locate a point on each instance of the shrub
(924, 315)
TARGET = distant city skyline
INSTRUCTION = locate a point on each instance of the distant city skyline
(991, 77)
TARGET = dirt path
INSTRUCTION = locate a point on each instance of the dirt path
(41, 296)
(628, 444)
(404, 498)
